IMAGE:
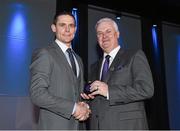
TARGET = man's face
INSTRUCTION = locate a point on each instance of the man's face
(107, 36)
(65, 29)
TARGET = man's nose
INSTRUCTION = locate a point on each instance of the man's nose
(105, 35)
(67, 28)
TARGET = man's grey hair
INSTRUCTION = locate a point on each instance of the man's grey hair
(107, 20)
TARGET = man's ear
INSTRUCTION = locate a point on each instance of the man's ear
(118, 34)
(53, 27)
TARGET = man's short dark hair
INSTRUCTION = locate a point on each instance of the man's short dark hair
(63, 13)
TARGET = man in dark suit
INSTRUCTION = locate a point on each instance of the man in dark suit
(57, 79)
(118, 90)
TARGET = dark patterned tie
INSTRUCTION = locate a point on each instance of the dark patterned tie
(71, 58)
(105, 67)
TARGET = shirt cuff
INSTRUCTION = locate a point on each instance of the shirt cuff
(107, 95)
(74, 109)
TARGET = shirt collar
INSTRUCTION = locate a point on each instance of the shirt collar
(113, 52)
(61, 45)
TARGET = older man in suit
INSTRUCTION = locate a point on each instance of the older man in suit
(122, 80)
(57, 79)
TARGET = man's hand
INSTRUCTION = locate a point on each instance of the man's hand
(82, 111)
(99, 88)
(87, 97)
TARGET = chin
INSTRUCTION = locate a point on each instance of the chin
(105, 47)
(68, 41)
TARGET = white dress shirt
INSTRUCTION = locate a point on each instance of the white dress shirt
(112, 55)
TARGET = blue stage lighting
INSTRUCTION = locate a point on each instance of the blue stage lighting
(17, 28)
(74, 9)
(154, 38)
(118, 17)
(16, 50)
(75, 14)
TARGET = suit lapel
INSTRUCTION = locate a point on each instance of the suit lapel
(60, 58)
(79, 63)
(118, 61)
(99, 69)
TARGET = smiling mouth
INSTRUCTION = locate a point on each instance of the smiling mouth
(104, 41)
(105, 44)
(67, 35)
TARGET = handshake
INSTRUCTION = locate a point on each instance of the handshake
(82, 111)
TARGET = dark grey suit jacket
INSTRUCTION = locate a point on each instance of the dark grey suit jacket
(55, 88)
(130, 82)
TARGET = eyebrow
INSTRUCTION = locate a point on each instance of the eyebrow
(105, 30)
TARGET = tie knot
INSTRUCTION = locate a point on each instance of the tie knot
(107, 57)
(69, 50)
